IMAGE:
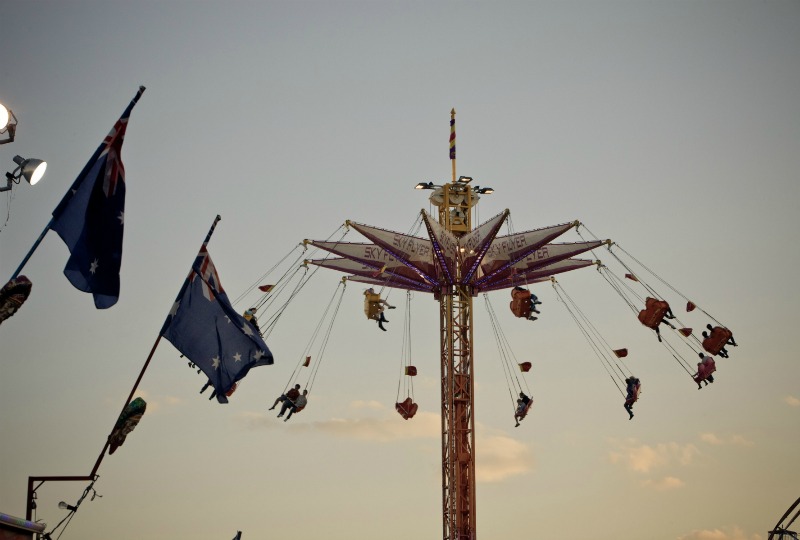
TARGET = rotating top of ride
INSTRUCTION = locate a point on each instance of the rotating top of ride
(453, 254)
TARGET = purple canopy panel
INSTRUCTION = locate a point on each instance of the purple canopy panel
(416, 253)
(507, 250)
(520, 275)
(476, 244)
(544, 255)
(389, 283)
(369, 271)
(445, 247)
(370, 255)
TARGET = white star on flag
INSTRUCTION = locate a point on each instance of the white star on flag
(121, 218)
(175, 307)
(237, 357)
(246, 330)
(215, 362)
(93, 267)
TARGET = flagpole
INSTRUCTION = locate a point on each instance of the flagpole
(453, 141)
(147, 362)
(65, 198)
(35, 245)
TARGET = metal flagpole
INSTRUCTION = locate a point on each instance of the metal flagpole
(149, 357)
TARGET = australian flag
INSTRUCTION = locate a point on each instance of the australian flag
(203, 326)
(91, 216)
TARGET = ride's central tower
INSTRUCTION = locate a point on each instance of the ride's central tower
(457, 378)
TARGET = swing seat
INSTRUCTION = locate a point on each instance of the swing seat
(13, 295)
(298, 409)
(705, 370)
(372, 306)
(520, 303)
(717, 340)
(525, 367)
(635, 396)
(653, 313)
(407, 408)
(411, 371)
(524, 412)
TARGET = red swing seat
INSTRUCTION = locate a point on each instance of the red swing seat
(653, 313)
(407, 408)
(521, 303)
(717, 340)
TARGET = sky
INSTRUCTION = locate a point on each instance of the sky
(672, 128)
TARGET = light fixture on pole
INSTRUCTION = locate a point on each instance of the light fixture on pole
(65, 506)
(425, 185)
(8, 124)
(31, 169)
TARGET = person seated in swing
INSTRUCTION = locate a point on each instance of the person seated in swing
(250, 316)
(654, 313)
(298, 405)
(523, 303)
(716, 338)
(522, 408)
(705, 367)
(633, 385)
(374, 307)
(291, 395)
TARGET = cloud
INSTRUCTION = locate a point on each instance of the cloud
(424, 425)
(502, 457)
(725, 533)
(374, 405)
(643, 458)
(666, 483)
(792, 401)
(741, 441)
(738, 440)
(499, 457)
(710, 438)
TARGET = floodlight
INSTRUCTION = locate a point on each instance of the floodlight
(31, 169)
(3, 117)
(8, 124)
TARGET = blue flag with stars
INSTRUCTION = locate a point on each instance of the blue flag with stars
(203, 326)
(91, 216)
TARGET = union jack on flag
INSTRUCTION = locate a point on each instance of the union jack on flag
(91, 218)
(115, 170)
(208, 274)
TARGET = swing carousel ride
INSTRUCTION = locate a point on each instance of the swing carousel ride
(457, 262)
